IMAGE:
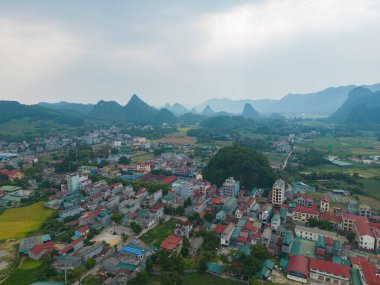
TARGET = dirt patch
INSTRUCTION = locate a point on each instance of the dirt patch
(8, 253)
(278, 278)
(373, 203)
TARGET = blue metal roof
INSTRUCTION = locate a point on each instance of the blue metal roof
(132, 250)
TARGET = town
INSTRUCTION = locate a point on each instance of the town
(116, 219)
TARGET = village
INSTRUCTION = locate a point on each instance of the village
(112, 218)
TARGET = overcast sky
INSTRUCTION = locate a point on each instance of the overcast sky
(184, 51)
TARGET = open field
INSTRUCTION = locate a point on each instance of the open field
(18, 222)
(345, 146)
(143, 157)
(189, 279)
(25, 274)
(373, 203)
(371, 188)
(363, 170)
(156, 235)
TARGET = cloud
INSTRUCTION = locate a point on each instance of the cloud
(29, 52)
(263, 25)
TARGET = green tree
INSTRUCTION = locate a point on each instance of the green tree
(116, 218)
(124, 160)
(90, 263)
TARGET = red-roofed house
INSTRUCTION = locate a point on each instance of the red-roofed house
(219, 229)
(349, 219)
(40, 250)
(77, 244)
(368, 274)
(327, 272)
(298, 268)
(303, 214)
(12, 174)
(364, 235)
(171, 242)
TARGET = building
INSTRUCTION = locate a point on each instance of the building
(313, 233)
(327, 272)
(303, 214)
(226, 234)
(364, 236)
(172, 242)
(324, 204)
(183, 229)
(287, 242)
(230, 187)
(183, 188)
(305, 201)
(368, 273)
(298, 268)
(71, 212)
(278, 192)
(72, 182)
(349, 219)
(265, 214)
(365, 210)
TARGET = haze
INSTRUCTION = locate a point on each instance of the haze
(184, 51)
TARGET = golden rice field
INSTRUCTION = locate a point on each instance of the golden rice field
(17, 222)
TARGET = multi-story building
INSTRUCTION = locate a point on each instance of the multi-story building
(313, 233)
(349, 219)
(365, 210)
(278, 192)
(266, 213)
(226, 234)
(327, 272)
(324, 205)
(364, 236)
(303, 214)
(230, 187)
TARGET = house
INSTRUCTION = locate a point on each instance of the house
(12, 174)
(364, 236)
(172, 242)
(71, 212)
(303, 214)
(89, 251)
(287, 242)
(40, 250)
(266, 237)
(82, 231)
(349, 219)
(157, 211)
(365, 210)
(135, 253)
(77, 244)
(329, 272)
(305, 201)
(298, 268)
(183, 229)
(324, 204)
(313, 233)
(230, 187)
(226, 234)
(275, 222)
(265, 214)
(368, 273)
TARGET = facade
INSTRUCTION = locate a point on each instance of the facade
(230, 187)
(278, 192)
(313, 233)
(365, 210)
(364, 236)
(298, 268)
(303, 214)
(327, 272)
(324, 205)
(349, 219)
(226, 234)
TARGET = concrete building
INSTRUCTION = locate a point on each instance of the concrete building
(364, 236)
(313, 233)
(230, 187)
(327, 272)
(349, 219)
(278, 192)
(324, 204)
(226, 234)
(365, 210)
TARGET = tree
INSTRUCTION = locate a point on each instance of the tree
(124, 237)
(208, 217)
(124, 160)
(90, 263)
(187, 202)
(136, 227)
(313, 222)
(351, 236)
(116, 218)
(114, 151)
(253, 281)
(202, 266)
(180, 211)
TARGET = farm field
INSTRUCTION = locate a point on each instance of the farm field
(345, 146)
(18, 222)
(156, 235)
(143, 157)
(363, 170)
(25, 274)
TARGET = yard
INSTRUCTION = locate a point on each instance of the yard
(25, 274)
(156, 235)
(143, 157)
(18, 222)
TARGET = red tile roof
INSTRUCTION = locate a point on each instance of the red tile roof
(219, 229)
(216, 200)
(66, 249)
(329, 267)
(369, 272)
(38, 248)
(299, 263)
(76, 241)
(301, 209)
(171, 242)
(363, 229)
(156, 207)
(347, 216)
(83, 229)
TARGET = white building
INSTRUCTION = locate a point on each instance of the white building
(230, 187)
(364, 236)
(226, 235)
(313, 233)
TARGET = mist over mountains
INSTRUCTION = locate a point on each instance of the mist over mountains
(345, 104)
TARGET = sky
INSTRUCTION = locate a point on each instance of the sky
(184, 51)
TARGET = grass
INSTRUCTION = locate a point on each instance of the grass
(371, 188)
(18, 222)
(363, 170)
(156, 235)
(27, 273)
(143, 157)
(189, 279)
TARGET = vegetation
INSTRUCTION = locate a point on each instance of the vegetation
(156, 235)
(18, 222)
(246, 165)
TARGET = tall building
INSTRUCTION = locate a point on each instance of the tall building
(230, 187)
(278, 192)
(72, 182)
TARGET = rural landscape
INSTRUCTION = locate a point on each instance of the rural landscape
(190, 142)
